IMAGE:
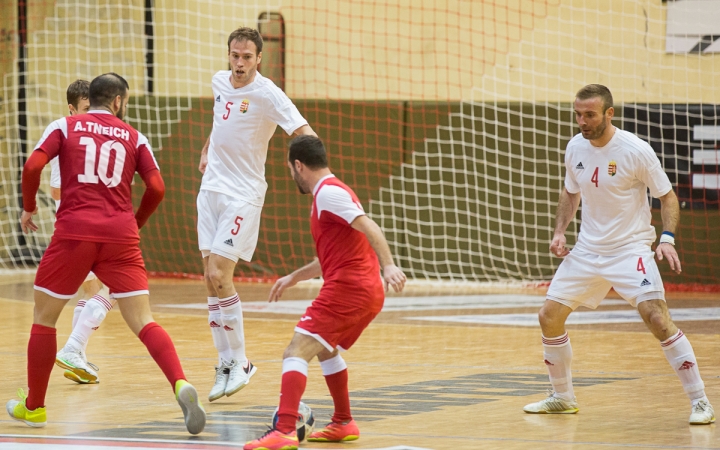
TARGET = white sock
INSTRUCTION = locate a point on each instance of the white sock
(218, 334)
(333, 365)
(681, 357)
(78, 309)
(557, 352)
(232, 319)
(90, 318)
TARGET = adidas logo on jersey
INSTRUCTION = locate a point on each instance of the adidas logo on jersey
(579, 166)
(229, 242)
(217, 99)
(645, 282)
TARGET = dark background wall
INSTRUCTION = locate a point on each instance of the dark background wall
(513, 180)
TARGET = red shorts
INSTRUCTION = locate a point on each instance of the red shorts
(66, 263)
(336, 325)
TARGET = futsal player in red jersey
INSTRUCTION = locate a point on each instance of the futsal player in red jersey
(348, 245)
(96, 230)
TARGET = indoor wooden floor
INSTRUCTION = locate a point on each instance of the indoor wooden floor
(434, 373)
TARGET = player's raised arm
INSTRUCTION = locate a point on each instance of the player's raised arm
(670, 211)
(305, 130)
(306, 272)
(391, 273)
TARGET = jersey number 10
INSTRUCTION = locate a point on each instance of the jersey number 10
(90, 176)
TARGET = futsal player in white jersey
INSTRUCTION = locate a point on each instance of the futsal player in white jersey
(92, 308)
(248, 109)
(610, 171)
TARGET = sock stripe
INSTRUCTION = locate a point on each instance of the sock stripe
(228, 302)
(214, 307)
(81, 303)
(103, 301)
(560, 340)
(672, 339)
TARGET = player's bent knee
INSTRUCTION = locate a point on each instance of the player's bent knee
(216, 277)
(550, 319)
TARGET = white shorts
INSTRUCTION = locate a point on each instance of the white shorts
(227, 226)
(584, 279)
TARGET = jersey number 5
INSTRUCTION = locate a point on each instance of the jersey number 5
(227, 108)
(90, 176)
(234, 232)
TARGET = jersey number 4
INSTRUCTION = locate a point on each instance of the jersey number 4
(90, 176)
(594, 178)
(640, 266)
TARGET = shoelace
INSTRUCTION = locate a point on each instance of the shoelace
(700, 406)
(270, 430)
(21, 394)
(93, 366)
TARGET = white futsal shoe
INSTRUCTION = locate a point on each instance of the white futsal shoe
(552, 405)
(239, 376)
(702, 413)
(75, 362)
(222, 372)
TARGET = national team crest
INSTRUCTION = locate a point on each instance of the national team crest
(612, 168)
(244, 106)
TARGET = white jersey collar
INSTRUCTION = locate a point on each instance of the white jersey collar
(247, 87)
(317, 186)
(98, 111)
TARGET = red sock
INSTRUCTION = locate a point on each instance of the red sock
(162, 350)
(338, 385)
(291, 391)
(41, 351)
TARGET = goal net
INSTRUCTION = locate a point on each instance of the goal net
(449, 119)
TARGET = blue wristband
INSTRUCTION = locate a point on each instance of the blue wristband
(668, 233)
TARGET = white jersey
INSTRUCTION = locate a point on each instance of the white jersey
(613, 181)
(244, 120)
(336, 200)
(55, 173)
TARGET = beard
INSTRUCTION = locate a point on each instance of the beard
(597, 132)
(300, 187)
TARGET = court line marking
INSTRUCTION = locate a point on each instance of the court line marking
(25, 442)
(577, 318)
(404, 304)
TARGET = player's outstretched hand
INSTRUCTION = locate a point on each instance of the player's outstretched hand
(668, 252)
(203, 163)
(26, 222)
(279, 287)
(394, 277)
(557, 246)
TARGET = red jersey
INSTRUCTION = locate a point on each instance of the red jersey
(99, 155)
(347, 259)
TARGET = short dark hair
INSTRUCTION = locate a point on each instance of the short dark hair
(245, 33)
(309, 150)
(104, 88)
(78, 89)
(596, 90)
